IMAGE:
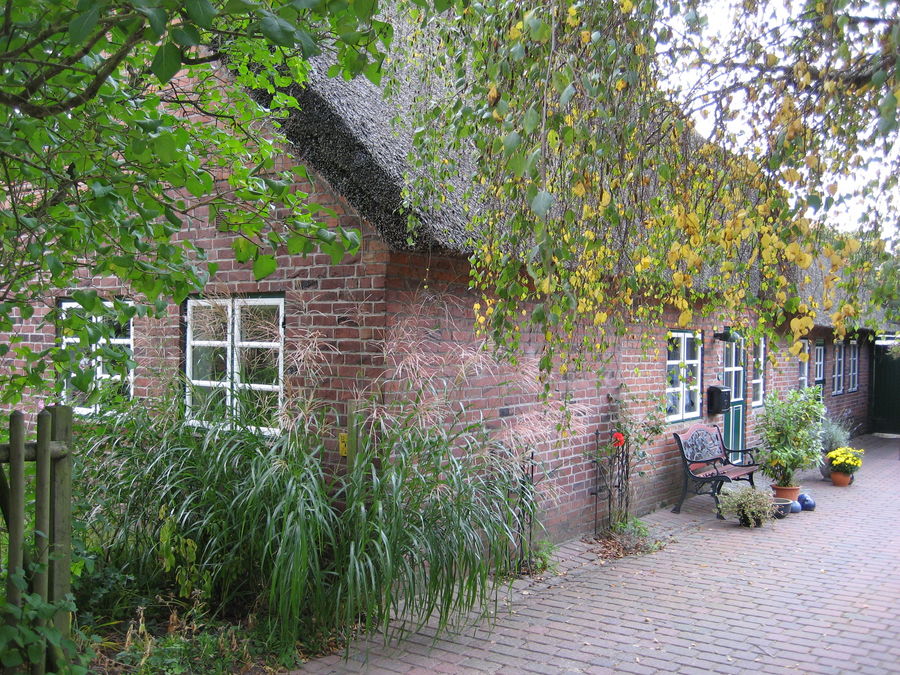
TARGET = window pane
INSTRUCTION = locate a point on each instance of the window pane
(260, 323)
(259, 365)
(115, 329)
(257, 408)
(737, 391)
(672, 403)
(690, 376)
(690, 401)
(209, 403)
(209, 363)
(757, 391)
(74, 396)
(674, 350)
(672, 375)
(209, 322)
(690, 349)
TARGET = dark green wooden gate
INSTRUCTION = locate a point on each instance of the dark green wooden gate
(885, 391)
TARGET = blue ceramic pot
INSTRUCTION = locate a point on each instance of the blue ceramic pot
(796, 507)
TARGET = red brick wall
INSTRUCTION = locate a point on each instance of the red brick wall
(359, 309)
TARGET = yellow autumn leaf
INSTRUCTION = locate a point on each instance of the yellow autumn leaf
(771, 60)
(640, 49)
(605, 199)
(585, 37)
(621, 84)
(579, 189)
(685, 318)
(626, 6)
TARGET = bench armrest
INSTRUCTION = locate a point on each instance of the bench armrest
(747, 457)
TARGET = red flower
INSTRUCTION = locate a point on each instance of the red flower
(618, 439)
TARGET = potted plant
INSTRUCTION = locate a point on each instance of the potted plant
(790, 426)
(752, 507)
(845, 461)
(835, 433)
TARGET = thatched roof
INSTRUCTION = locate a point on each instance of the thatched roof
(344, 130)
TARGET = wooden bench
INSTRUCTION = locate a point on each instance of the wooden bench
(708, 463)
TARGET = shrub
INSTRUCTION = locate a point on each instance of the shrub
(834, 434)
(791, 427)
(418, 525)
(751, 507)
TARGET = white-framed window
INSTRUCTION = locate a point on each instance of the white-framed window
(758, 383)
(733, 371)
(837, 374)
(853, 374)
(234, 361)
(820, 364)
(683, 377)
(803, 367)
(95, 369)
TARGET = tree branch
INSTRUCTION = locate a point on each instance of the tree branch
(42, 111)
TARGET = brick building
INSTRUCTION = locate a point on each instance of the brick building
(404, 298)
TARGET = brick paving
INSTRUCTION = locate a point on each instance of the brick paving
(817, 592)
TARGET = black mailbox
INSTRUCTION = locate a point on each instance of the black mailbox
(718, 400)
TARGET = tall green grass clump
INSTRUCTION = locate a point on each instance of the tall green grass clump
(423, 522)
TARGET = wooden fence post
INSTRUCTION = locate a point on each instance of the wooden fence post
(40, 583)
(16, 505)
(61, 516)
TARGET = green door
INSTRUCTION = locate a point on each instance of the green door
(885, 389)
(733, 373)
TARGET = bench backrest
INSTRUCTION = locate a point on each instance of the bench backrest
(700, 444)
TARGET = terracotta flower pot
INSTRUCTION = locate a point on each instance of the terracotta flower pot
(841, 479)
(790, 492)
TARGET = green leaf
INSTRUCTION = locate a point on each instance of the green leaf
(186, 36)
(517, 164)
(364, 9)
(263, 266)
(82, 25)
(511, 142)
(166, 62)
(297, 244)
(243, 249)
(567, 95)
(277, 30)
(85, 298)
(201, 12)
(541, 203)
(156, 17)
(308, 45)
(531, 120)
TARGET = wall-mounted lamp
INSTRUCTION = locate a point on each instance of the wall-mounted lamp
(726, 335)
